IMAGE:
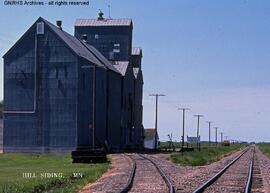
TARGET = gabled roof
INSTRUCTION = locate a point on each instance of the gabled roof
(102, 59)
(79, 48)
(136, 51)
(103, 22)
(121, 66)
(73, 43)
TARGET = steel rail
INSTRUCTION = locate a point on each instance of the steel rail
(216, 176)
(131, 176)
(163, 175)
(250, 174)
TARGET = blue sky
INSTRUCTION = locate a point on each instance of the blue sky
(211, 56)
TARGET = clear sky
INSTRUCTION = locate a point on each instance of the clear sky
(211, 56)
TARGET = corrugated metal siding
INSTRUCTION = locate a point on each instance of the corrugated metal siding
(103, 60)
(105, 22)
(58, 68)
(21, 133)
(114, 110)
(138, 108)
(19, 96)
(73, 44)
(128, 109)
(53, 124)
(86, 108)
(64, 116)
(101, 106)
(85, 104)
(108, 37)
(19, 72)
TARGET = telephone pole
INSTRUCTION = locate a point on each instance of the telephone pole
(198, 130)
(216, 128)
(183, 131)
(156, 120)
(209, 127)
(221, 137)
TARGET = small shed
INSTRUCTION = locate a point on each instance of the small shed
(149, 138)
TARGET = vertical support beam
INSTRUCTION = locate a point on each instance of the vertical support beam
(216, 128)
(183, 139)
(156, 121)
(221, 137)
(156, 133)
(198, 130)
(209, 131)
(156, 118)
(94, 106)
(183, 128)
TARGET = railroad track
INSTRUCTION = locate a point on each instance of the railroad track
(234, 177)
(145, 170)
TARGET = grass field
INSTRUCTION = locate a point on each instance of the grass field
(166, 145)
(265, 148)
(12, 167)
(206, 156)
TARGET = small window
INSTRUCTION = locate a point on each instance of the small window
(40, 28)
(116, 50)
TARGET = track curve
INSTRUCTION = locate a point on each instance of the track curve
(145, 170)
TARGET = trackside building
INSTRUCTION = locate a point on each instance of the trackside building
(63, 92)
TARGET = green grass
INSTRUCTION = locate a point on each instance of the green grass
(166, 144)
(265, 148)
(12, 167)
(206, 156)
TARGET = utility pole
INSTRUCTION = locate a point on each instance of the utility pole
(156, 120)
(216, 128)
(183, 131)
(198, 130)
(221, 137)
(209, 127)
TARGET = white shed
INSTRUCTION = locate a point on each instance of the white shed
(149, 138)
